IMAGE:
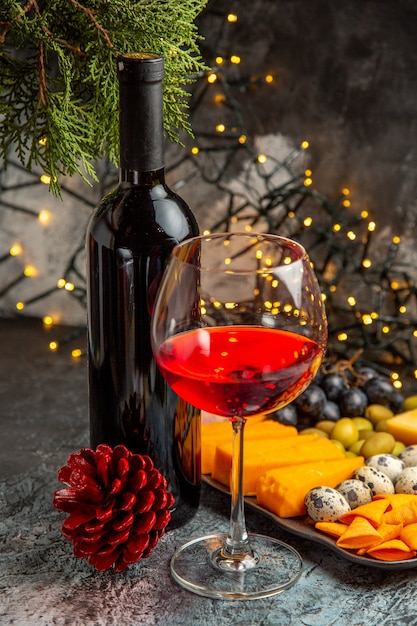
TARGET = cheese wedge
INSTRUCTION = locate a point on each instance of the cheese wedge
(263, 455)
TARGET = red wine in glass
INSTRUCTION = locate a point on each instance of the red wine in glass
(244, 370)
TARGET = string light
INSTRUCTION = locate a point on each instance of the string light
(44, 216)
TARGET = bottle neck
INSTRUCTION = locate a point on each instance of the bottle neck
(141, 128)
(136, 177)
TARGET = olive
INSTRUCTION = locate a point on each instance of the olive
(378, 443)
(345, 431)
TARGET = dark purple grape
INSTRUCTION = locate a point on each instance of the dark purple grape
(333, 385)
(330, 411)
(353, 402)
(311, 401)
(396, 404)
(380, 391)
(287, 415)
(366, 373)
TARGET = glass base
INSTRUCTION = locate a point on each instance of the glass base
(273, 567)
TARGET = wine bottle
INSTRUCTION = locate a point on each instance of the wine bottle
(129, 238)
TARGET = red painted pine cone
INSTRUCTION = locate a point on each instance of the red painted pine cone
(118, 505)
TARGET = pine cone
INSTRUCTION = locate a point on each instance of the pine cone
(118, 505)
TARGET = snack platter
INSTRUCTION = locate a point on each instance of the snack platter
(304, 527)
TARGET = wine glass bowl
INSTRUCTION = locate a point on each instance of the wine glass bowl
(238, 329)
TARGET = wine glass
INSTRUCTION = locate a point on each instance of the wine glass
(238, 329)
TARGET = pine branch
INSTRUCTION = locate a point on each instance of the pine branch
(58, 83)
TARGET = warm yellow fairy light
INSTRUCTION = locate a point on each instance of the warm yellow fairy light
(337, 228)
(30, 270)
(332, 288)
(232, 18)
(394, 376)
(16, 249)
(415, 373)
(305, 145)
(414, 333)
(351, 300)
(346, 203)
(367, 319)
(227, 261)
(396, 239)
(397, 384)
(402, 309)
(366, 263)
(291, 214)
(269, 78)
(287, 260)
(351, 235)
(219, 60)
(287, 308)
(342, 336)
(195, 150)
(371, 227)
(308, 173)
(262, 158)
(20, 306)
(217, 304)
(345, 191)
(69, 286)
(364, 214)
(220, 128)
(230, 305)
(268, 263)
(53, 345)
(268, 304)
(308, 182)
(385, 330)
(235, 59)
(248, 228)
(44, 216)
(374, 315)
(308, 221)
(219, 98)
(76, 353)
(212, 77)
(45, 179)
(47, 320)
(395, 284)
(61, 283)
(206, 232)
(43, 141)
(258, 254)
(242, 139)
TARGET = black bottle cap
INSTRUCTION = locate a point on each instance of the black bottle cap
(142, 66)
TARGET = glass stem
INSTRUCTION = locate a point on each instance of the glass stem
(237, 543)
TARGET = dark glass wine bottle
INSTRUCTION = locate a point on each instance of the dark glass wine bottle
(129, 239)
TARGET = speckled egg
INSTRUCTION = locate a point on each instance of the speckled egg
(355, 492)
(324, 504)
(377, 480)
(407, 481)
(389, 464)
(409, 456)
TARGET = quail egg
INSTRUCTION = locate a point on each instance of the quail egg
(407, 481)
(389, 464)
(377, 480)
(325, 504)
(409, 456)
(355, 492)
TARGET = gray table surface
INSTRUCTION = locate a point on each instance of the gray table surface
(43, 418)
